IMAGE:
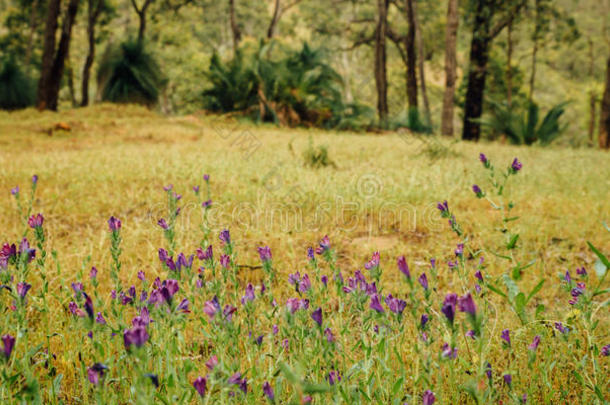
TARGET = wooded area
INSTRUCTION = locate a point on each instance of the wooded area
(518, 70)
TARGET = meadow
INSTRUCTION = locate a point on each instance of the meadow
(505, 312)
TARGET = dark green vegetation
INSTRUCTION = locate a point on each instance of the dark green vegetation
(498, 69)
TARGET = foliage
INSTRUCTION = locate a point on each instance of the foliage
(317, 156)
(16, 88)
(286, 87)
(525, 128)
(128, 73)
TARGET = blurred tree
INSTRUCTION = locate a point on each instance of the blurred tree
(450, 67)
(53, 61)
(490, 18)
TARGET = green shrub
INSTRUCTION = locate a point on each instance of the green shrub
(16, 88)
(128, 73)
(524, 127)
(283, 86)
(317, 156)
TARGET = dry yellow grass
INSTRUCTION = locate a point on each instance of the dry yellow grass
(381, 196)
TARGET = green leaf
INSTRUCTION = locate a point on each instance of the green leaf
(315, 388)
(397, 385)
(535, 290)
(495, 289)
(513, 289)
(606, 291)
(539, 310)
(288, 373)
(600, 255)
(520, 302)
(513, 242)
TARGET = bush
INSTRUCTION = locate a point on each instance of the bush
(129, 74)
(16, 88)
(524, 128)
(317, 156)
(285, 86)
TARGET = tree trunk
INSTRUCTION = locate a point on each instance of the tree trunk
(28, 51)
(381, 80)
(93, 12)
(592, 115)
(604, 121)
(509, 65)
(234, 27)
(479, 55)
(48, 53)
(274, 20)
(420, 59)
(535, 50)
(450, 67)
(411, 56)
(60, 58)
(141, 12)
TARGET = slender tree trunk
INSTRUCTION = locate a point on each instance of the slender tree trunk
(479, 56)
(142, 27)
(381, 80)
(420, 60)
(604, 121)
(509, 65)
(60, 58)
(48, 52)
(234, 26)
(450, 67)
(28, 51)
(93, 11)
(535, 51)
(274, 19)
(411, 56)
(592, 115)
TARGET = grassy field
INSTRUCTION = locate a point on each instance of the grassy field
(380, 195)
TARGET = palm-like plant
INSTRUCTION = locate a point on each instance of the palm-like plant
(129, 74)
(524, 128)
(16, 88)
(298, 88)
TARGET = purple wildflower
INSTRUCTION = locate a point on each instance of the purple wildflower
(581, 271)
(196, 189)
(534, 345)
(375, 304)
(567, 277)
(516, 165)
(329, 335)
(95, 372)
(310, 254)
(508, 379)
(211, 307)
(268, 391)
(443, 207)
(228, 312)
(448, 308)
(206, 254)
(200, 385)
(225, 236)
(606, 351)
(559, 326)
(93, 272)
(249, 295)
(114, 224)
(15, 190)
(449, 352)
(163, 224)
(373, 263)
(506, 336)
(264, 253)
(212, 362)
(206, 178)
(479, 275)
(35, 221)
(466, 304)
(477, 191)
(324, 280)
(136, 336)
(483, 158)
(424, 320)
(225, 261)
(9, 343)
(459, 251)
(99, 318)
(404, 267)
(324, 245)
(423, 280)
(317, 316)
(334, 377)
(23, 288)
(428, 398)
